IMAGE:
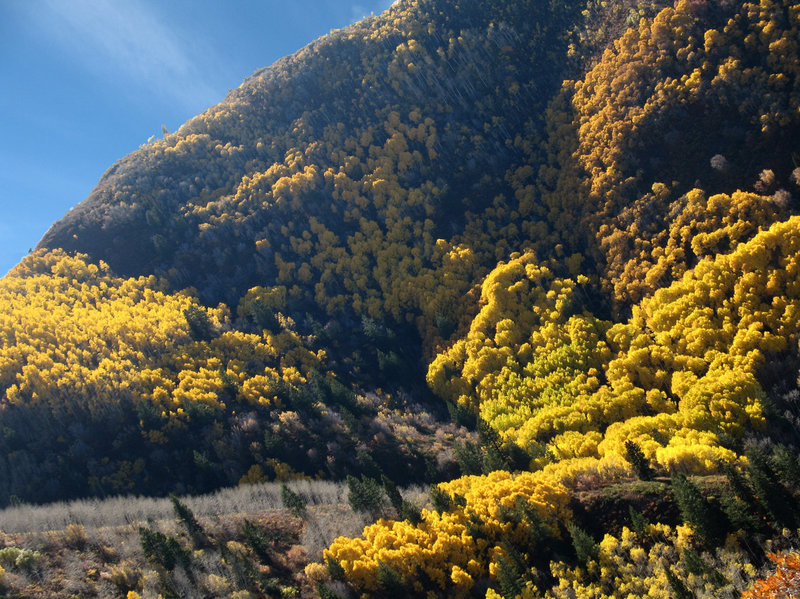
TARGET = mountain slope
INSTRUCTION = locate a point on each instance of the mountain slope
(570, 226)
(319, 132)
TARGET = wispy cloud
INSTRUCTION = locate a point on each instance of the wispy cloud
(129, 39)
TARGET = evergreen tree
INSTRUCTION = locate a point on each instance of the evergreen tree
(538, 530)
(325, 592)
(695, 510)
(787, 465)
(469, 457)
(335, 569)
(410, 512)
(586, 548)
(772, 495)
(293, 502)
(365, 495)
(392, 493)
(475, 527)
(640, 463)
(638, 521)
(186, 517)
(462, 415)
(161, 550)
(246, 576)
(509, 576)
(739, 503)
(441, 501)
(200, 327)
(257, 541)
(497, 455)
(369, 467)
(695, 565)
(390, 584)
(264, 316)
(494, 457)
(677, 586)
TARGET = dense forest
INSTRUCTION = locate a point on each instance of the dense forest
(543, 256)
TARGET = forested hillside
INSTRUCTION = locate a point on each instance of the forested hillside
(528, 251)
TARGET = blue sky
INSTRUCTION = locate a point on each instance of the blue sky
(85, 82)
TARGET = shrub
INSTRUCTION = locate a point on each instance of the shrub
(784, 582)
(75, 536)
(124, 577)
(8, 555)
(21, 558)
(28, 559)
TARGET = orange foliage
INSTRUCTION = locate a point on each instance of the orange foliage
(784, 583)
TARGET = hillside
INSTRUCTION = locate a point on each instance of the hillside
(521, 250)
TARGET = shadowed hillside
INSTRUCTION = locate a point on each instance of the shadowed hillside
(527, 252)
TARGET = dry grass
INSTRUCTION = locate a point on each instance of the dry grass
(121, 511)
(91, 548)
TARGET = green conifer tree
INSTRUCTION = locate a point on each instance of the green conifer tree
(390, 583)
(162, 550)
(293, 502)
(365, 495)
(509, 577)
(186, 517)
(335, 569)
(469, 457)
(772, 495)
(695, 510)
(441, 501)
(787, 465)
(392, 493)
(200, 327)
(586, 548)
(257, 541)
(739, 503)
(638, 521)
(677, 586)
(697, 566)
(410, 512)
(640, 463)
(325, 592)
